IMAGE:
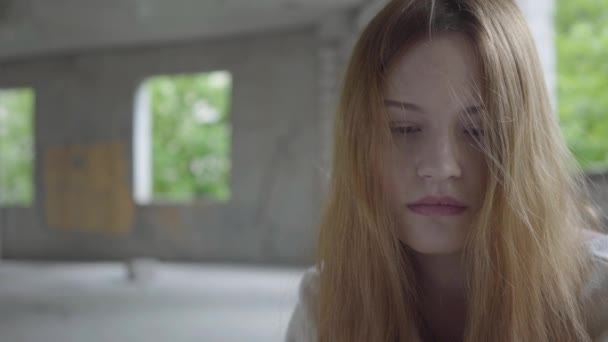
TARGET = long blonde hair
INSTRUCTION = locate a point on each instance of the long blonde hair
(525, 262)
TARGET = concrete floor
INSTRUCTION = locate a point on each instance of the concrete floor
(168, 302)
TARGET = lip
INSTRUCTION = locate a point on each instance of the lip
(438, 206)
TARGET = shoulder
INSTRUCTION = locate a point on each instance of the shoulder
(303, 324)
(595, 292)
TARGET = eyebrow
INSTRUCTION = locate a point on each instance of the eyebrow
(403, 105)
(471, 110)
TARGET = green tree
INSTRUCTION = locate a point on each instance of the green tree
(582, 49)
(16, 146)
(191, 136)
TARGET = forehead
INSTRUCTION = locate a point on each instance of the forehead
(442, 71)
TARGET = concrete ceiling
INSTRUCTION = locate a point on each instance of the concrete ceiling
(35, 27)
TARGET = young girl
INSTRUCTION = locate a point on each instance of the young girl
(455, 210)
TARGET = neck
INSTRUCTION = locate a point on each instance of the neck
(441, 280)
(440, 274)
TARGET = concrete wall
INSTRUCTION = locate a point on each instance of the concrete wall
(86, 101)
(540, 15)
(285, 89)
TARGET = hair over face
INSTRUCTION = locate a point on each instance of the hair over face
(524, 258)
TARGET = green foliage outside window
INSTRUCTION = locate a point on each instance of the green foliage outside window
(191, 136)
(582, 51)
(16, 146)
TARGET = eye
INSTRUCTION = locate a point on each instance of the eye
(474, 132)
(404, 129)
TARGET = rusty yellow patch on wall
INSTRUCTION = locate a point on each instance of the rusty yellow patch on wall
(87, 188)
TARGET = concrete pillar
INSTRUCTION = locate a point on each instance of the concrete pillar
(368, 11)
(336, 34)
(540, 16)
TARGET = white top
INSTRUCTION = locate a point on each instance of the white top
(302, 325)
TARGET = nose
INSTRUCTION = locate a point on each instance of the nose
(439, 160)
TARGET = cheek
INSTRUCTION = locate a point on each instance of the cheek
(398, 164)
(393, 177)
(402, 175)
(477, 172)
(476, 167)
(405, 146)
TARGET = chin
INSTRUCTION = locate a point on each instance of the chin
(433, 246)
(435, 250)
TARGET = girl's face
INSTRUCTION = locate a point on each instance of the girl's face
(438, 171)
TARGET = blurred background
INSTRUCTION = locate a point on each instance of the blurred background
(162, 163)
